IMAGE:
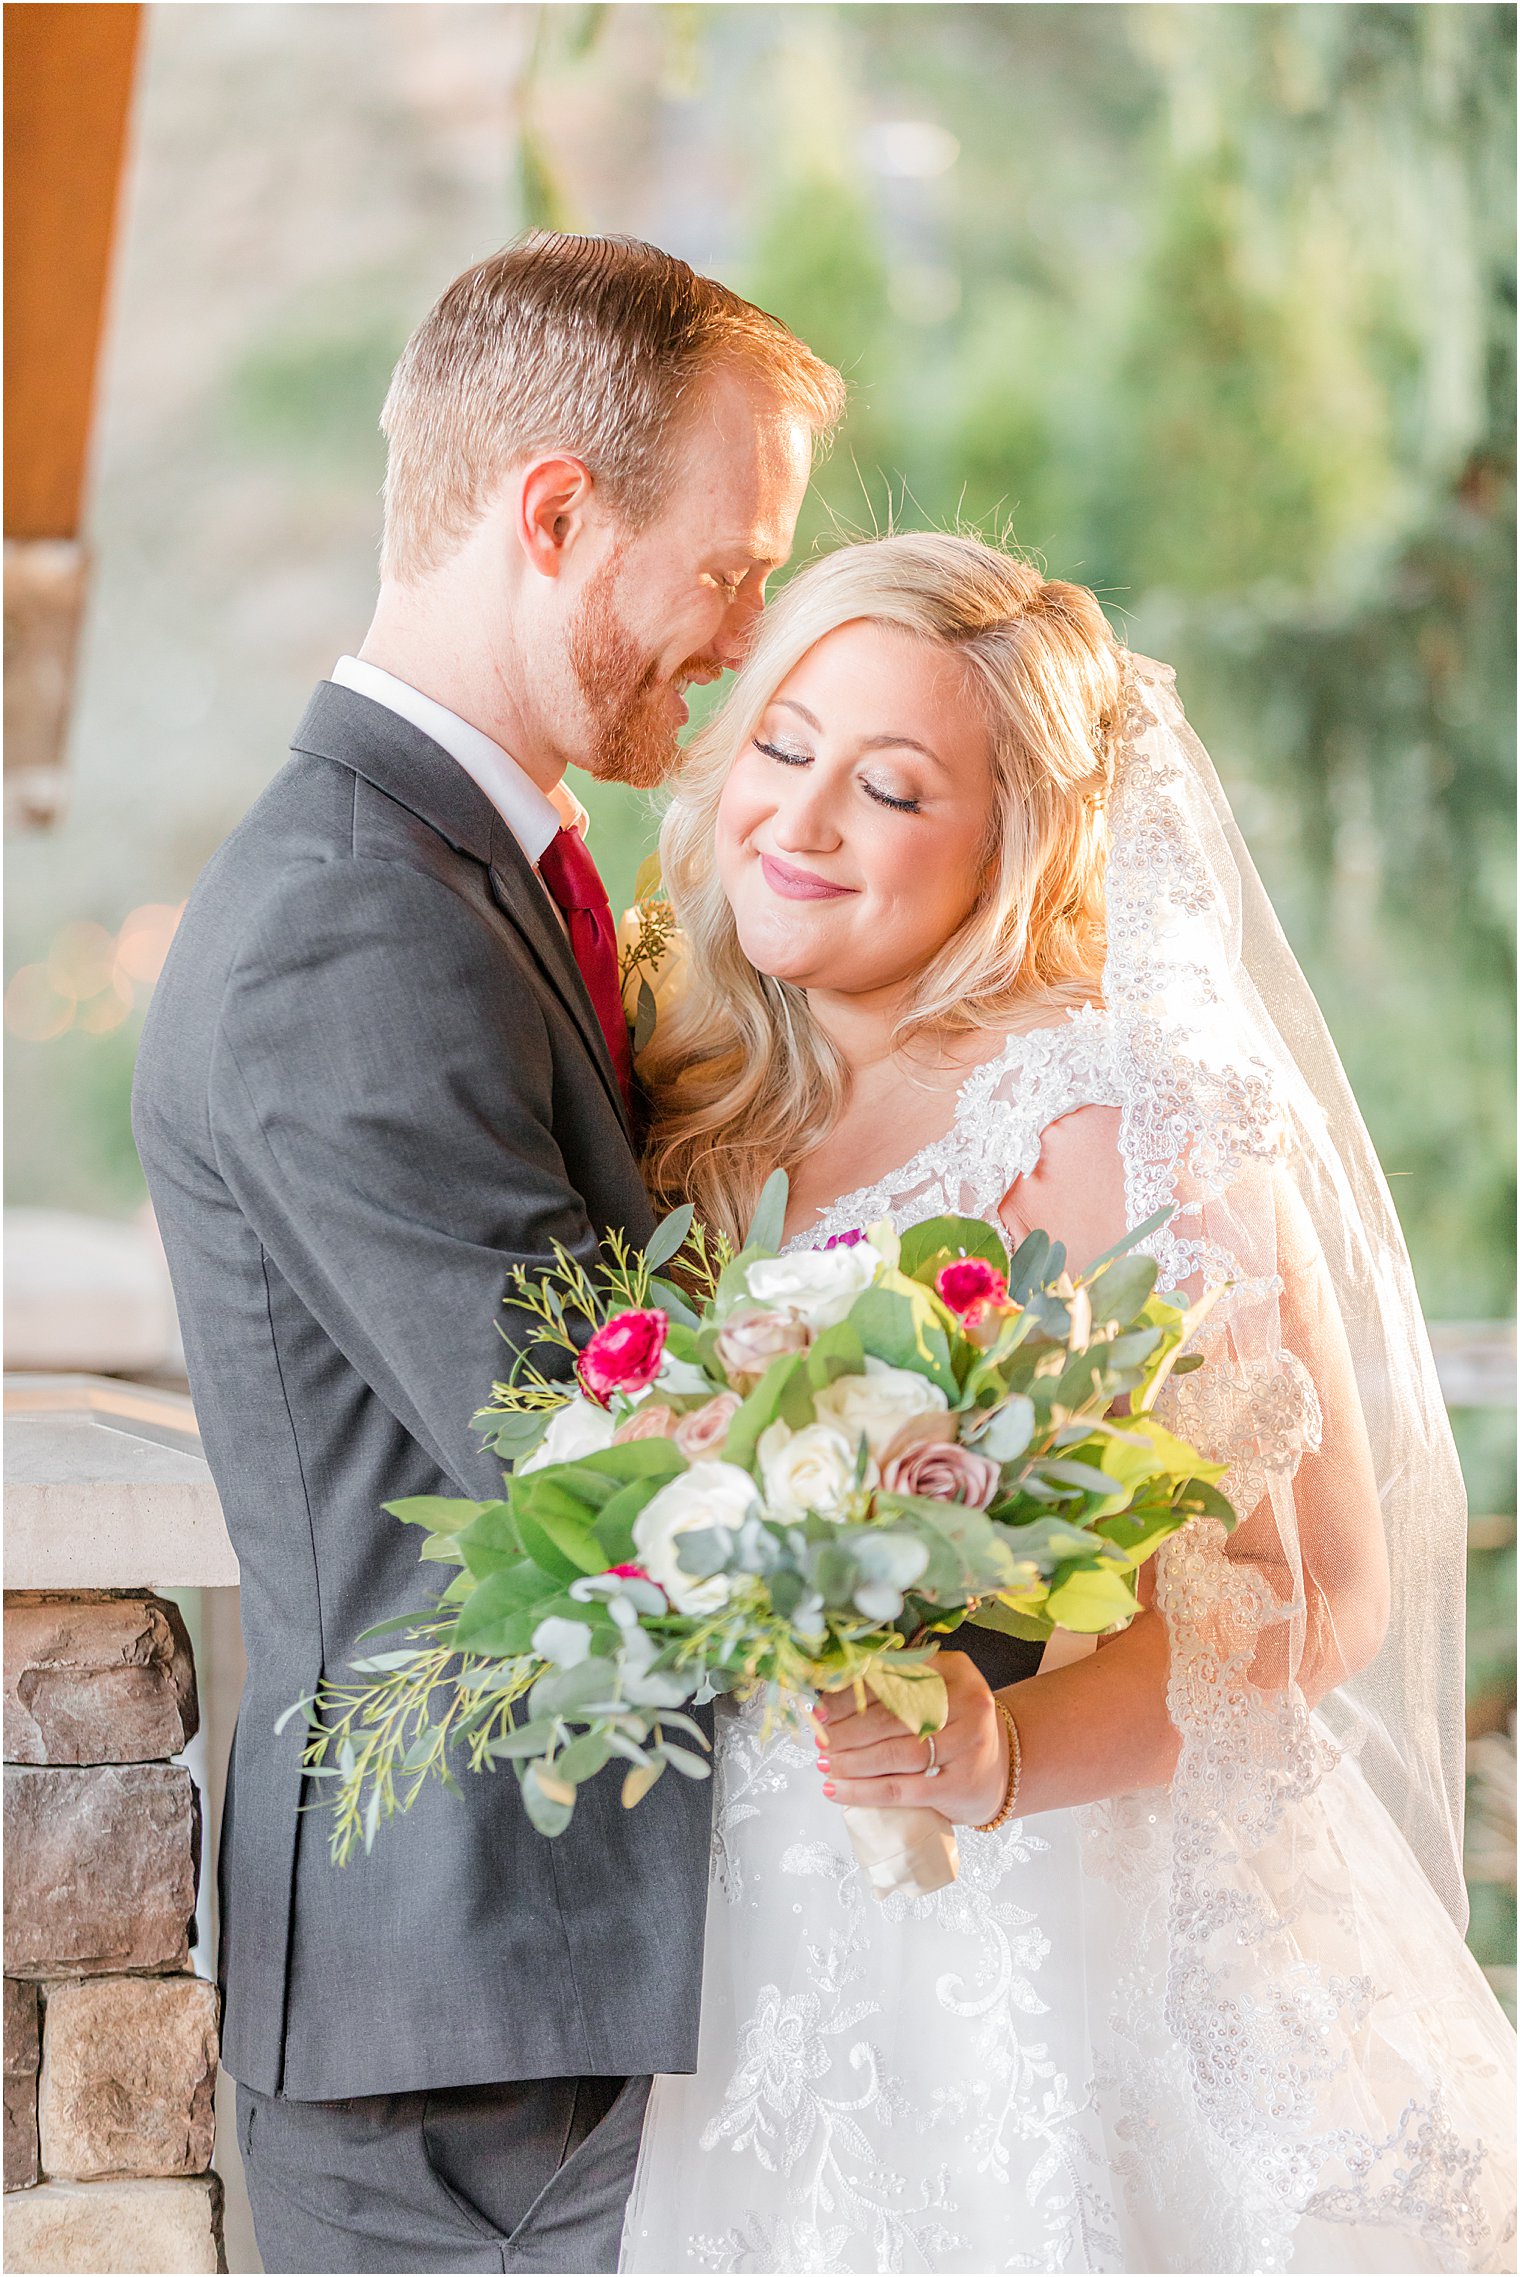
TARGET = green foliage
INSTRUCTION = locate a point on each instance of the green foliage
(551, 1603)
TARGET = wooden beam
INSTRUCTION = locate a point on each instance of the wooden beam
(68, 83)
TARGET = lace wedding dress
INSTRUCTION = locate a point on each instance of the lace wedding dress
(944, 2083)
(1226, 2026)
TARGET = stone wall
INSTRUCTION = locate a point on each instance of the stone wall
(110, 2038)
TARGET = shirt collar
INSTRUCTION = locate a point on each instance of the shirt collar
(532, 816)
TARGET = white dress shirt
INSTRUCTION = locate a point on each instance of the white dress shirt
(534, 817)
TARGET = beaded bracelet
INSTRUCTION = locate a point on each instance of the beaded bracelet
(1009, 1803)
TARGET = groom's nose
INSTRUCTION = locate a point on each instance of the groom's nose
(739, 622)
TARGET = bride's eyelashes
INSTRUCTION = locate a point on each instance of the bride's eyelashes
(885, 798)
(787, 758)
(794, 758)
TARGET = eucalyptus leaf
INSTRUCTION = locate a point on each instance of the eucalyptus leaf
(1084, 1476)
(389, 1628)
(673, 1300)
(682, 1759)
(1027, 1267)
(668, 1236)
(1140, 1232)
(510, 1433)
(572, 1689)
(584, 1757)
(639, 1781)
(549, 1808)
(646, 1013)
(1120, 1291)
(1008, 1430)
(765, 1227)
(704, 1550)
(524, 1740)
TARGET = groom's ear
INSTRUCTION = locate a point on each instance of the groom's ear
(553, 504)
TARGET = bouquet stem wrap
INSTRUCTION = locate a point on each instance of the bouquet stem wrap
(907, 1852)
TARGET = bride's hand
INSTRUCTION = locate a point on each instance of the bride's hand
(871, 1758)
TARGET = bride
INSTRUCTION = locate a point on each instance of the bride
(976, 934)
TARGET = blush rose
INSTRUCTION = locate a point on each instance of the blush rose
(651, 1419)
(702, 1432)
(752, 1340)
(943, 1474)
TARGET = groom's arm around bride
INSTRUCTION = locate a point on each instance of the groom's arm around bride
(384, 1065)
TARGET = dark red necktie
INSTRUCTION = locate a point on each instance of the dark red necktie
(572, 877)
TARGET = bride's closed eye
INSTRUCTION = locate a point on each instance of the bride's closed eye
(792, 757)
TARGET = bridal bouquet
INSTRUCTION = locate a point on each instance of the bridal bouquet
(768, 1473)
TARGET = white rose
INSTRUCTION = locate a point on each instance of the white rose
(708, 1494)
(808, 1470)
(878, 1403)
(579, 1428)
(819, 1285)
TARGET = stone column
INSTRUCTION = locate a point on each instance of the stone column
(110, 2037)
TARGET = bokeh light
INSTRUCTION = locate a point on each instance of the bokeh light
(90, 978)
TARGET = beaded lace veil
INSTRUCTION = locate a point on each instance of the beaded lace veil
(1321, 1390)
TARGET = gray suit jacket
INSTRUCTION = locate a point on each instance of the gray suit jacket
(370, 1083)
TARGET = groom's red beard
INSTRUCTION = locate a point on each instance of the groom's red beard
(633, 739)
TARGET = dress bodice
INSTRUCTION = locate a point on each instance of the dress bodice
(1002, 1112)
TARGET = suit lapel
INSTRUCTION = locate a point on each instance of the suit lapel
(398, 759)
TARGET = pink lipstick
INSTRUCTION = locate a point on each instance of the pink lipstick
(799, 885)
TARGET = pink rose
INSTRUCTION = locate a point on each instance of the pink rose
(624, 1356)
(701, 1433)
(650, 1420)
(970, 1285)
(944, 1474)
(752, 1340)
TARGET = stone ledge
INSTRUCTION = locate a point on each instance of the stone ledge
(106, 1487)
(21, 2164)
(101, 1680)
(128, 2073)
(101, 1869)
(117, 2229)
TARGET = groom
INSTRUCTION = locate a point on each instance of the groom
(386, 1063)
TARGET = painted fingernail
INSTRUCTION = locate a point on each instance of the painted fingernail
(828, 1788)
(823, 1763)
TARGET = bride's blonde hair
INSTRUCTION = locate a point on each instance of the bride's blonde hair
(740, 1074)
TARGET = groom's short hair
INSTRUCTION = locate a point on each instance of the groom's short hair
(588, 345)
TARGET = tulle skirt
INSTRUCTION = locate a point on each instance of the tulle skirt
(1013, 2074)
